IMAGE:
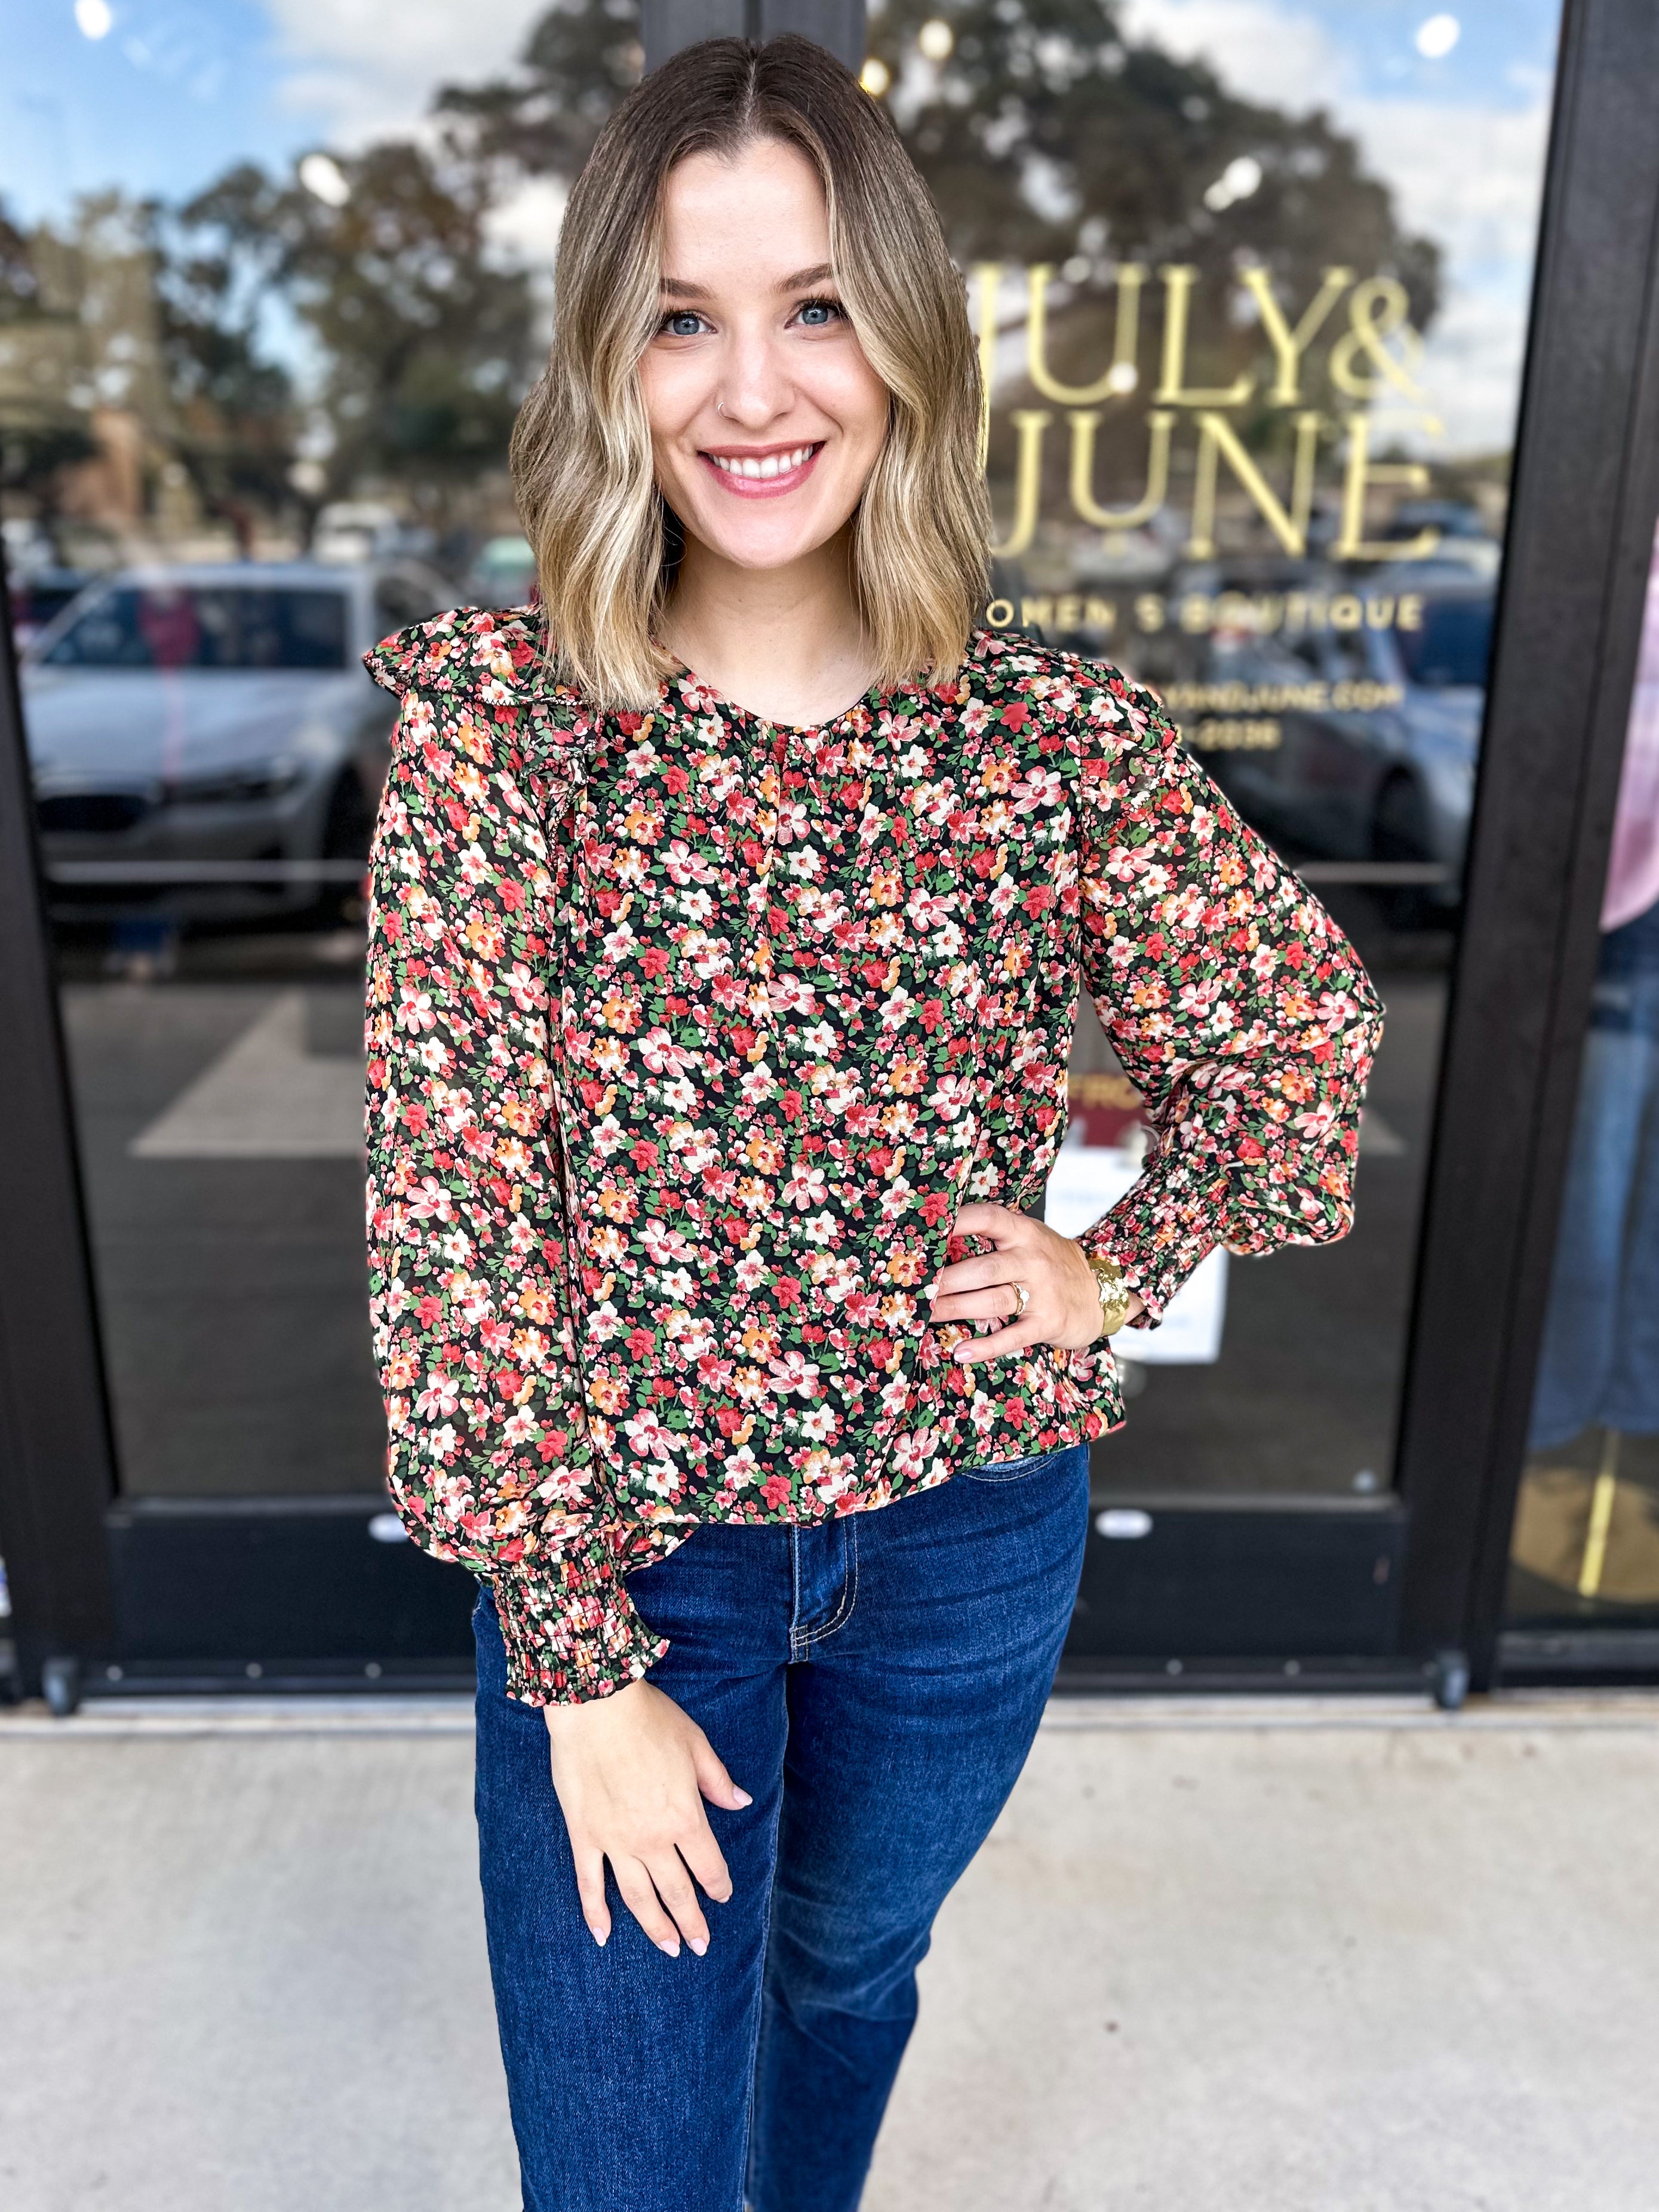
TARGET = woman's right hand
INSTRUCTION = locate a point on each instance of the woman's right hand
(631, 1771)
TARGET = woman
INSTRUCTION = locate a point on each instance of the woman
(729, 926)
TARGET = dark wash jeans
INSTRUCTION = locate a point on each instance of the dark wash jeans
(875, 1683)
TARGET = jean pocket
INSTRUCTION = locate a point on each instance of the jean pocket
(649, 1574)
(1014, 1470)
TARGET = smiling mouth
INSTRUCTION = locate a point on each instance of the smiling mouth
(779, 470)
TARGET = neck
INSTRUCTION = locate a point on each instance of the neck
(786, 643)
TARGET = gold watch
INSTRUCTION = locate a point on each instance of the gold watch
(1116, 1296)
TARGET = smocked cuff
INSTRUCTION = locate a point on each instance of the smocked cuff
(1156, 1241)
(569, 1627)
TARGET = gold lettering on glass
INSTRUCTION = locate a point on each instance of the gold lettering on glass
(1178, 282)
(1216, 439)
(1373, 359)
(1289, 345)
(1376, 312)
(1084, 426)
(1362, 473)
(1130, 278)
(1030, 424)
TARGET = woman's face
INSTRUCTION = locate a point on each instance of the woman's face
(766, 418)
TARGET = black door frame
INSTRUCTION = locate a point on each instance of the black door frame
(125, 1596)
(57, 1446)
(1586, 493)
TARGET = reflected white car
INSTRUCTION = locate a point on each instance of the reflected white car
(1391, 782)
(213, 720)
(504, 574)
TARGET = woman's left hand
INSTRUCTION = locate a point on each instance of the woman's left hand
(1063, 1303)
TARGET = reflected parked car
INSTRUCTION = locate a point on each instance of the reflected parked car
(503, 575)
(204, 718)
(366, 530)
(1383, 770)
(39, 596)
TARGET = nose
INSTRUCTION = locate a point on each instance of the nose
(754, 388)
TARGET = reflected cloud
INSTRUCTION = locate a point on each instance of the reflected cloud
(360, 74)
(1470, 177)
(1277, 55)
(525, 227)
(1467, 173)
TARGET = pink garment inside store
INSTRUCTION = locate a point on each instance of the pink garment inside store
(1633, 870)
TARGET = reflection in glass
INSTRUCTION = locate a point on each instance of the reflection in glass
(205, 737)
(1450, 649)
(1250, 281)
(175, 625)
(1587, 1531)
(1253, 394)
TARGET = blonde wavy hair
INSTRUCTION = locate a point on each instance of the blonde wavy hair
(605, 544)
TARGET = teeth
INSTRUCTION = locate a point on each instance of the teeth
(771, 464)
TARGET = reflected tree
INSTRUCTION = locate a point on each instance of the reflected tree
(235, 419)
(126, 336)
(43, 433)
(426, 340)
(577, 63)
(1046, 134)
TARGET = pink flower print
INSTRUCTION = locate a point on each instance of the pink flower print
(794, 1371)
(415, 1010)
(438, 1399)
(807, 1186)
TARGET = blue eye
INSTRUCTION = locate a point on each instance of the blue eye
(684, 323)
(818, 314)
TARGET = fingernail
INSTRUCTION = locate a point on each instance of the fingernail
(742, 1796)
(672, 1949)
(600, 1940)
(699, 1944)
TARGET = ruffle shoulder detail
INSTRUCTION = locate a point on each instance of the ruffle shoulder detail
(497, 658)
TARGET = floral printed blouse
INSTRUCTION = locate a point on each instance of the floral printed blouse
(688, 1035)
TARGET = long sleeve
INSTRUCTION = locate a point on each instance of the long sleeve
(490, 1462)
(1236, 1005)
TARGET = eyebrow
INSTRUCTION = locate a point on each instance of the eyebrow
(797, 281)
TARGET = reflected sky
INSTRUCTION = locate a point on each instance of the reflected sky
(175, 90)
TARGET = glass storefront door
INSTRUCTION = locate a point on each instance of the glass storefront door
(263, 331)
(1585, 1549)
(1251, 282)
(1252, 292)
(1255, 343)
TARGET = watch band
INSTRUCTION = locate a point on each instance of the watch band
(1115, 1293)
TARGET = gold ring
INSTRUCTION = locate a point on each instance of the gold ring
(1024, 1297)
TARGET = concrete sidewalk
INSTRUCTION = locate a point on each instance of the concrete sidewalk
(1236, 1958)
